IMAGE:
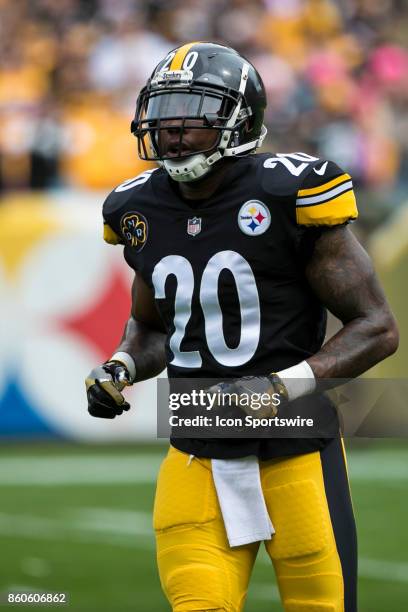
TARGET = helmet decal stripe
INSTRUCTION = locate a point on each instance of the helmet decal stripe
(244, 78)
(180, 56)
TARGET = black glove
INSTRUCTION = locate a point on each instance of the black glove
(247, 386)
(103, 388)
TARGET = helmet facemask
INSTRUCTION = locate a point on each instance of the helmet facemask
(178, 110)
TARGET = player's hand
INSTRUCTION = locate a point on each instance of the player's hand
(103, 388)
(270, 388)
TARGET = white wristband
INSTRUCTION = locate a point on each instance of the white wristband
(299, 380)
(127, 361)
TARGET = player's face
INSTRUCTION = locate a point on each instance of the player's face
(174, 141)
(184, 127)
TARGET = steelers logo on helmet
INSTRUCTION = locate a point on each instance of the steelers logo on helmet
(134, 229)
(254, 218)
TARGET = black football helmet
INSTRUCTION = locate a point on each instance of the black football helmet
(200, 85)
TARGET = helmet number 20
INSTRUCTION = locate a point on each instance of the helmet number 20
(188, 63)
(248, 297)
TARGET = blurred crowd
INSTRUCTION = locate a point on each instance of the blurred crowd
(336, 74)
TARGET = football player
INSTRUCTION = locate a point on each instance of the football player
(237, 255)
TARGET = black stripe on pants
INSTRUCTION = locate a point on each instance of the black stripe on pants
(342, 518)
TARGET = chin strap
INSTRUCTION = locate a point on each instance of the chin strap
(196, 166)
(189, 169)
(248, 146)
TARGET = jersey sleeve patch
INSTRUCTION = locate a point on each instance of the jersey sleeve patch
(330, 203)
(110, 236)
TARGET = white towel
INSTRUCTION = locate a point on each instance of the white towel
(243, 508)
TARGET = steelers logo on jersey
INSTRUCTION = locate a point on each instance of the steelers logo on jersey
(254, 218)
(134, 229)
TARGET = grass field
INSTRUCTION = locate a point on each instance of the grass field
(78, 519)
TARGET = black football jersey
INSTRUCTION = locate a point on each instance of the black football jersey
(228, 272)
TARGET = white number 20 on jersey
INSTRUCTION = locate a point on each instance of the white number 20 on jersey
(248, 297)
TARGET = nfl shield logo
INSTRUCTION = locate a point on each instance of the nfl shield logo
(194, 226)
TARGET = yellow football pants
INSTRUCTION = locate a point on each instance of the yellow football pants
(315, 570)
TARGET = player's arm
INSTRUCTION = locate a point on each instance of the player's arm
(144, 334)
(139, 356)
(341, 275)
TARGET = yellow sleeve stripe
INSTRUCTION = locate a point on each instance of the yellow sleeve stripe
(338, 210)
(180, 56)
(328, 185)
(110, 236)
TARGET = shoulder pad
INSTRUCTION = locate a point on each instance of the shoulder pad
(116, 204)
(136, 181)
(326, 196)
(283, 173)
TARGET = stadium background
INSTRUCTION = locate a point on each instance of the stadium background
(76, 492)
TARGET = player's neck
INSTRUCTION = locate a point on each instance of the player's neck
(205, 187)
